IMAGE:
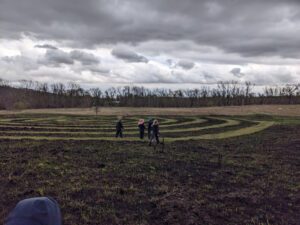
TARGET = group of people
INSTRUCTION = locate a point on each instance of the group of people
(152, 128)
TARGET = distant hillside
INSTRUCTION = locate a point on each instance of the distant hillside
(21, 98)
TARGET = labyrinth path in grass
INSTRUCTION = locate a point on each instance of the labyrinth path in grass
(172, 128)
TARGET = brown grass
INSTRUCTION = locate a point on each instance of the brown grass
(279, 110)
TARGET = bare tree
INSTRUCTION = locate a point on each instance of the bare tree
(96, 94)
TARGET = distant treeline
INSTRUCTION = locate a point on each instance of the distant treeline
(31, 94)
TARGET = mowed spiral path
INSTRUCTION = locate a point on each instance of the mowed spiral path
(173, 128)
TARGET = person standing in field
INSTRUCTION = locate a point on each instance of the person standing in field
(149, 126)
(155, 132)
(119, 129)
(141, 125)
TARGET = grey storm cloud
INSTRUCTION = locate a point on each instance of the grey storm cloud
(187, 65)
(58, 57)
(84, 58)
(128, 55)
(46, 46)
(248, 28)
(237, 72)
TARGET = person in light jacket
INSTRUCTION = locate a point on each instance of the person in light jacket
(155, 132)
(149, 127)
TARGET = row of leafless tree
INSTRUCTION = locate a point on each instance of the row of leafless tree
(29, 94)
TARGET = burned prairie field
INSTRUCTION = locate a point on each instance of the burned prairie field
(212, 170)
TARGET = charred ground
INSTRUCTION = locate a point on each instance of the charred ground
(251, 179)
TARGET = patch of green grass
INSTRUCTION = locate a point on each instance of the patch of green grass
(173, 126)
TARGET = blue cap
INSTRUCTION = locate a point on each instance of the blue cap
(35, 211)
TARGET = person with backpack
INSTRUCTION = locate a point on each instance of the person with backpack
(119, 129)
(141, 125)
(35, 211)
(155, 132)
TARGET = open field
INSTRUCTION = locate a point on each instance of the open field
(91, 128)
(280, 110)
(212, 170)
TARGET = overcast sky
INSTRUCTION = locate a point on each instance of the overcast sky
(150, 42)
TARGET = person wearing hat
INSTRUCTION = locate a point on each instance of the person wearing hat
(35, 211)
(141, 125)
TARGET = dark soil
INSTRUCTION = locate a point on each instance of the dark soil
(245, 180)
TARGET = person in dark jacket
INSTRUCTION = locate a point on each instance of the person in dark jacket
(35, 211)
(142, 127)
(119, 129)
(149, 127)
(155, 132)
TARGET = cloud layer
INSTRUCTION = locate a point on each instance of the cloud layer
(128, 55)
(156, 41)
